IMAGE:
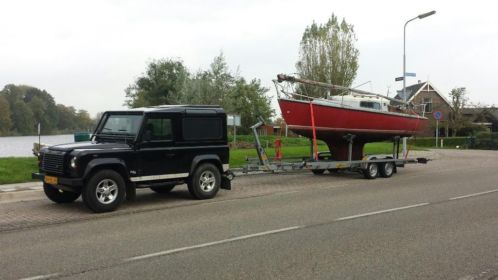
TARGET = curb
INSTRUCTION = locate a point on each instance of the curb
(30, 186)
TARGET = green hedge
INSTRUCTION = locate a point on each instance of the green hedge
(487, 141)
(448, 142)
(484, 141)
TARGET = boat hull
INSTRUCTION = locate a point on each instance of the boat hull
(332, 123)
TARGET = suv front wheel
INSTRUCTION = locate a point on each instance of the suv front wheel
(205, 182)
(104, 191)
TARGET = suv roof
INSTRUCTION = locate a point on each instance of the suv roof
(175, 108)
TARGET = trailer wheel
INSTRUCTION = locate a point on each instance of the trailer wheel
(386, 169)
(372, 171)
(318, 171)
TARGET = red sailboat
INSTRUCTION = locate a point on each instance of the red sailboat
(357, 116)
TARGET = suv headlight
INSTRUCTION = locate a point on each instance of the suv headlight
(73, 162)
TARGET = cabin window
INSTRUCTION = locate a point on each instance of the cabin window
(428, 105)
(370, 105)
(159, 129)
(202, 129)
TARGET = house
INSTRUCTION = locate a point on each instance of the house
(424, 93)
(484, 116)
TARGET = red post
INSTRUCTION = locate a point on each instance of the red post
(315, 146)
(278, 149)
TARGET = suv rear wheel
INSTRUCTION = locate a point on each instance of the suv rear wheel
(104, 191)
(59, 196)
(205, 182)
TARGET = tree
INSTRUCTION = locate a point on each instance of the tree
(163, 83)
(459, 100)
(43, 106)
(215, 86)
(249, 100)
(5, 119)
(84, 121)
(67, 118)
(328, 54)
(23, 119)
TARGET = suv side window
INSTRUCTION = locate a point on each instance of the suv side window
(159, 129)
(202, 129)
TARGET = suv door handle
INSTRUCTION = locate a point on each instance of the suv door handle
(169, 155)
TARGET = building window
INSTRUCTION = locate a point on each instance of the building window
(428, 105)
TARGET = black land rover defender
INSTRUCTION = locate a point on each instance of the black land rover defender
(154, 147)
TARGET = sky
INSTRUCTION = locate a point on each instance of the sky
(85, 53)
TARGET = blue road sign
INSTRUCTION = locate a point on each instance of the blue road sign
(438, 115)
(408, 74)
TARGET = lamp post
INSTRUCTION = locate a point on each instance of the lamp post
(421, 16)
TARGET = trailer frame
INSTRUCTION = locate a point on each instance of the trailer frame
(371, 166)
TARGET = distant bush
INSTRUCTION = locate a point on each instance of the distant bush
(448, 142)
(483, 140)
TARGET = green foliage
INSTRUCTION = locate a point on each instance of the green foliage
(168, 81)
(17, 170)
(5, 119)
(328, 54)
(23, 107)
(458, 102)
(484, 141)
(163, 83)
(23, 119)
(449, 142)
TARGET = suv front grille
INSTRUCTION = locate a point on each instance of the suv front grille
(53, 163)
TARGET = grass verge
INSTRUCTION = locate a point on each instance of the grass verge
(17, 169)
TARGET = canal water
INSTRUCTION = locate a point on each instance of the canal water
(20, 146)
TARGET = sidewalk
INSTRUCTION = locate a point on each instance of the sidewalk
(21, 187)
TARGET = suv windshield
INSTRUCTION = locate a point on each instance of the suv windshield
(122, 124)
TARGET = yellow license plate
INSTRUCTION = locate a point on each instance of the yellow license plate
(51, 180)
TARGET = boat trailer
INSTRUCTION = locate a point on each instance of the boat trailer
(371, 166)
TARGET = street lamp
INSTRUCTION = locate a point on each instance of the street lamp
(421, 16)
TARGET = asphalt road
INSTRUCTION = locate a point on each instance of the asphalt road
(434, 221)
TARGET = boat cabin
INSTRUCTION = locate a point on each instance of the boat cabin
(360, 101)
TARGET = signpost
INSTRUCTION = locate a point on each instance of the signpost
(438, 116)
(233, 120)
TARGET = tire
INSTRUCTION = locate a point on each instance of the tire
(59, 196)
(386, 169)
(318, 171)
(205, 182)
(372, 171)
(163, 189)
(104, 191)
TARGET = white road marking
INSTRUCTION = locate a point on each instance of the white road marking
(172, 251)
(8, 189)
(39, 277)
(473, 194)
(381, 211)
